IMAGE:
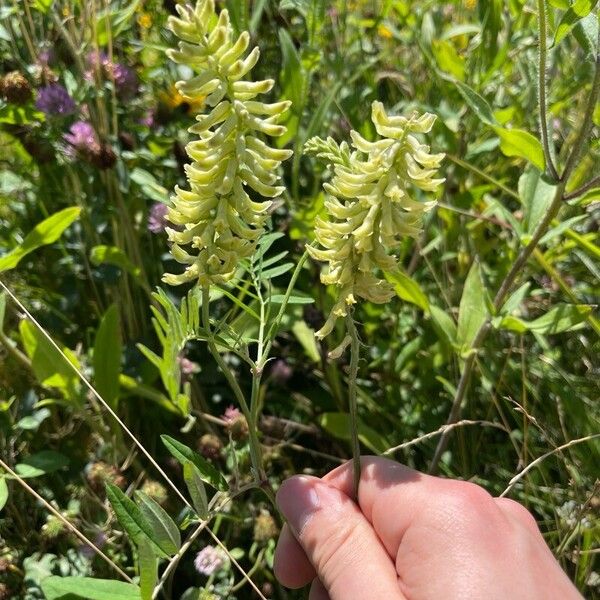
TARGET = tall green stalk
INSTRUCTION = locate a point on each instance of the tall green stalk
(352, 403)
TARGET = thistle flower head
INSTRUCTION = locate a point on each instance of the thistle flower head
(370, 206)
(219, 223)
(54, 100)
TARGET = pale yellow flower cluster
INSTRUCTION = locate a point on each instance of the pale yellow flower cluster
(216, 220)
(370, 206)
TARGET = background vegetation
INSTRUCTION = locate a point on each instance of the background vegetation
(500, 339)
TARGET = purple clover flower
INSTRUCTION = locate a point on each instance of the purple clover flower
(54, 100)
(126, 82)
(149, 118)
(209, 560)
(81, 135)
(157, 219)
(231, 414)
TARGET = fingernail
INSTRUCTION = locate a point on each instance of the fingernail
(299, 498)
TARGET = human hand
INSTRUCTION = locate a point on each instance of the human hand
(411, 537)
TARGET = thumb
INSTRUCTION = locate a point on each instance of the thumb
(338, 540)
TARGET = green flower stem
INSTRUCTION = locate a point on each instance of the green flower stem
(505, 288)
(587, 122)
(543, 40)
(262, 360)
(255, 451)
(352, 405)
(521, 260)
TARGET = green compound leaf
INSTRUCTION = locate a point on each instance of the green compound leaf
(46, 232)
(184, 454)
(133, 520)
(69, 588)
(516, 142)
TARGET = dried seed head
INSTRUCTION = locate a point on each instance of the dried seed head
(15, 88)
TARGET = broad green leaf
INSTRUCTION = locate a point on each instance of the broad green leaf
(515, 299)
(292, 76)
(443, 324)
(586, 34)
(42, 5)
(577, 11)
(69, 588)
(166, 533)
(149, 185)
(338, 425)
(12, 114)
(301, 6)
(478, 104)
(448, 59)
(3, 492)
(148, 568)
(408, 289)
(196, 488)
(472, 311)
(33, 421)
(560, 4)
(48, 365)
(516, 142)
(536, 195)
(562, 317)
(306, 336)
(107, 356)
(183, 454)
(111, 255)
(46, 232)
(41, 463)
(559, 319)
(132, 519)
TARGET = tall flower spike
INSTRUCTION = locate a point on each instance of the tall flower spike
(369, 207)
(220, 218)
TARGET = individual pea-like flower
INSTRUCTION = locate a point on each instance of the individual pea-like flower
(54, 100)
(219, 222)
(370, 206)
(210, 560)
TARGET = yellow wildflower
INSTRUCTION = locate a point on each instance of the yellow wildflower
(370, 207)
(217, 222)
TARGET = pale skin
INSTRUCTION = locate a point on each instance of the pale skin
(411, 537)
